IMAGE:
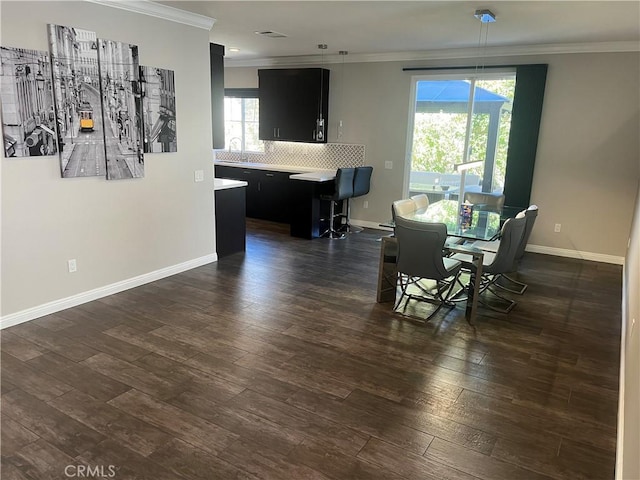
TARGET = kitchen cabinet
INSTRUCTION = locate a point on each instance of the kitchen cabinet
(269, 194)
(230, 217)
(294, 104)
(216, 63)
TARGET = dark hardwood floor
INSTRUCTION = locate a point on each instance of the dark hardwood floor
(279, 364)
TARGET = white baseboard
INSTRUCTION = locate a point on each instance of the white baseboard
(558, 252)
(84, 297)
(366, 224)
(564, 252)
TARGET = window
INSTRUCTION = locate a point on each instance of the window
(457, 120)
(241, 108)
(489, 120)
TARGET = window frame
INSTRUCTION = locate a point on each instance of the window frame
(243, 93)
(526, 116)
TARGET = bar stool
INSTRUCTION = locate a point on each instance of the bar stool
(343, 190)
(361, 186)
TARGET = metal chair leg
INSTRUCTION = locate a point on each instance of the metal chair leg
(520, 291)
(347, 227)
(438, 299)
(331, 232)
(510, 303)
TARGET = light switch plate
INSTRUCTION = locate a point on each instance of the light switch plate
(388, 164)
(198, 176)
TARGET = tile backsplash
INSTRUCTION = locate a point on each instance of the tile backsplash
(326, 155)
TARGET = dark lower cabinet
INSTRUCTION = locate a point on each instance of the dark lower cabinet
(272, 195)
(230, 221)
(269, 194)
(275, 197)
(309, 214)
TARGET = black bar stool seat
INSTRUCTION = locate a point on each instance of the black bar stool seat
(343, 190)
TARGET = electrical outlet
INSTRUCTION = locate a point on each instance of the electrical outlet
(366, 204)
(198, 176)
(388, 164)
(73, 266)
(557, 228)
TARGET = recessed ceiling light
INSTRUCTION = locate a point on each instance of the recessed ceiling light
(270, 33)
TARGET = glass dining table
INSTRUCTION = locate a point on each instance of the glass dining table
(484, 223)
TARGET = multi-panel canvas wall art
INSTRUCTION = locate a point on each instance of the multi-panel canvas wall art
(159, 110)
(28, 117)
(87, 100)
(76, 85)
(122, 103)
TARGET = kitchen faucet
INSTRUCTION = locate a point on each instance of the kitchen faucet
(242, 155)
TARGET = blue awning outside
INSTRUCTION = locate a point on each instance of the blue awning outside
(453, 91)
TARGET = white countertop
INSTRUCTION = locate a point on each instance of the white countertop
(317, 176)
(224, 183)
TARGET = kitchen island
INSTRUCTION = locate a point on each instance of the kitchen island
(230, 203)
(285, 194)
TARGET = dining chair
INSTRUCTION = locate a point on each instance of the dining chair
(421, 199)
(399, 208)
(402, 207)
(492, 201)
(494, 265)
(343, 189)
(424, 273)
(530, 214)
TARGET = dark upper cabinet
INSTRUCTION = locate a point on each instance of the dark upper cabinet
(216, 63)
(294, 104)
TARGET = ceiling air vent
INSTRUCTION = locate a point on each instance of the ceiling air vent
(271, 34)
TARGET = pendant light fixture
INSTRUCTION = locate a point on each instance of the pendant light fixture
(343, 54)
(320, 120)
(486, 17)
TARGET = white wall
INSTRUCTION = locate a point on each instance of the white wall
(588, 155)
(117, 230)
(628, 461)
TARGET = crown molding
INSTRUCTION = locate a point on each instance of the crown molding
(152, 9)
(443, 54)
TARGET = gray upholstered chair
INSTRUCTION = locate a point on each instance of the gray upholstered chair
(400, 208)
(421, 199)
(424, 273)
(343, 189)
(489, 201)
(494, 265)
(530, 214)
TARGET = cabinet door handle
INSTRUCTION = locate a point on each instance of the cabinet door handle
(278, 132)
(268, 174)
(274, 133)
(258, 186)
(246, 172)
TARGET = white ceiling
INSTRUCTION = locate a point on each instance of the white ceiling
(410, 29)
